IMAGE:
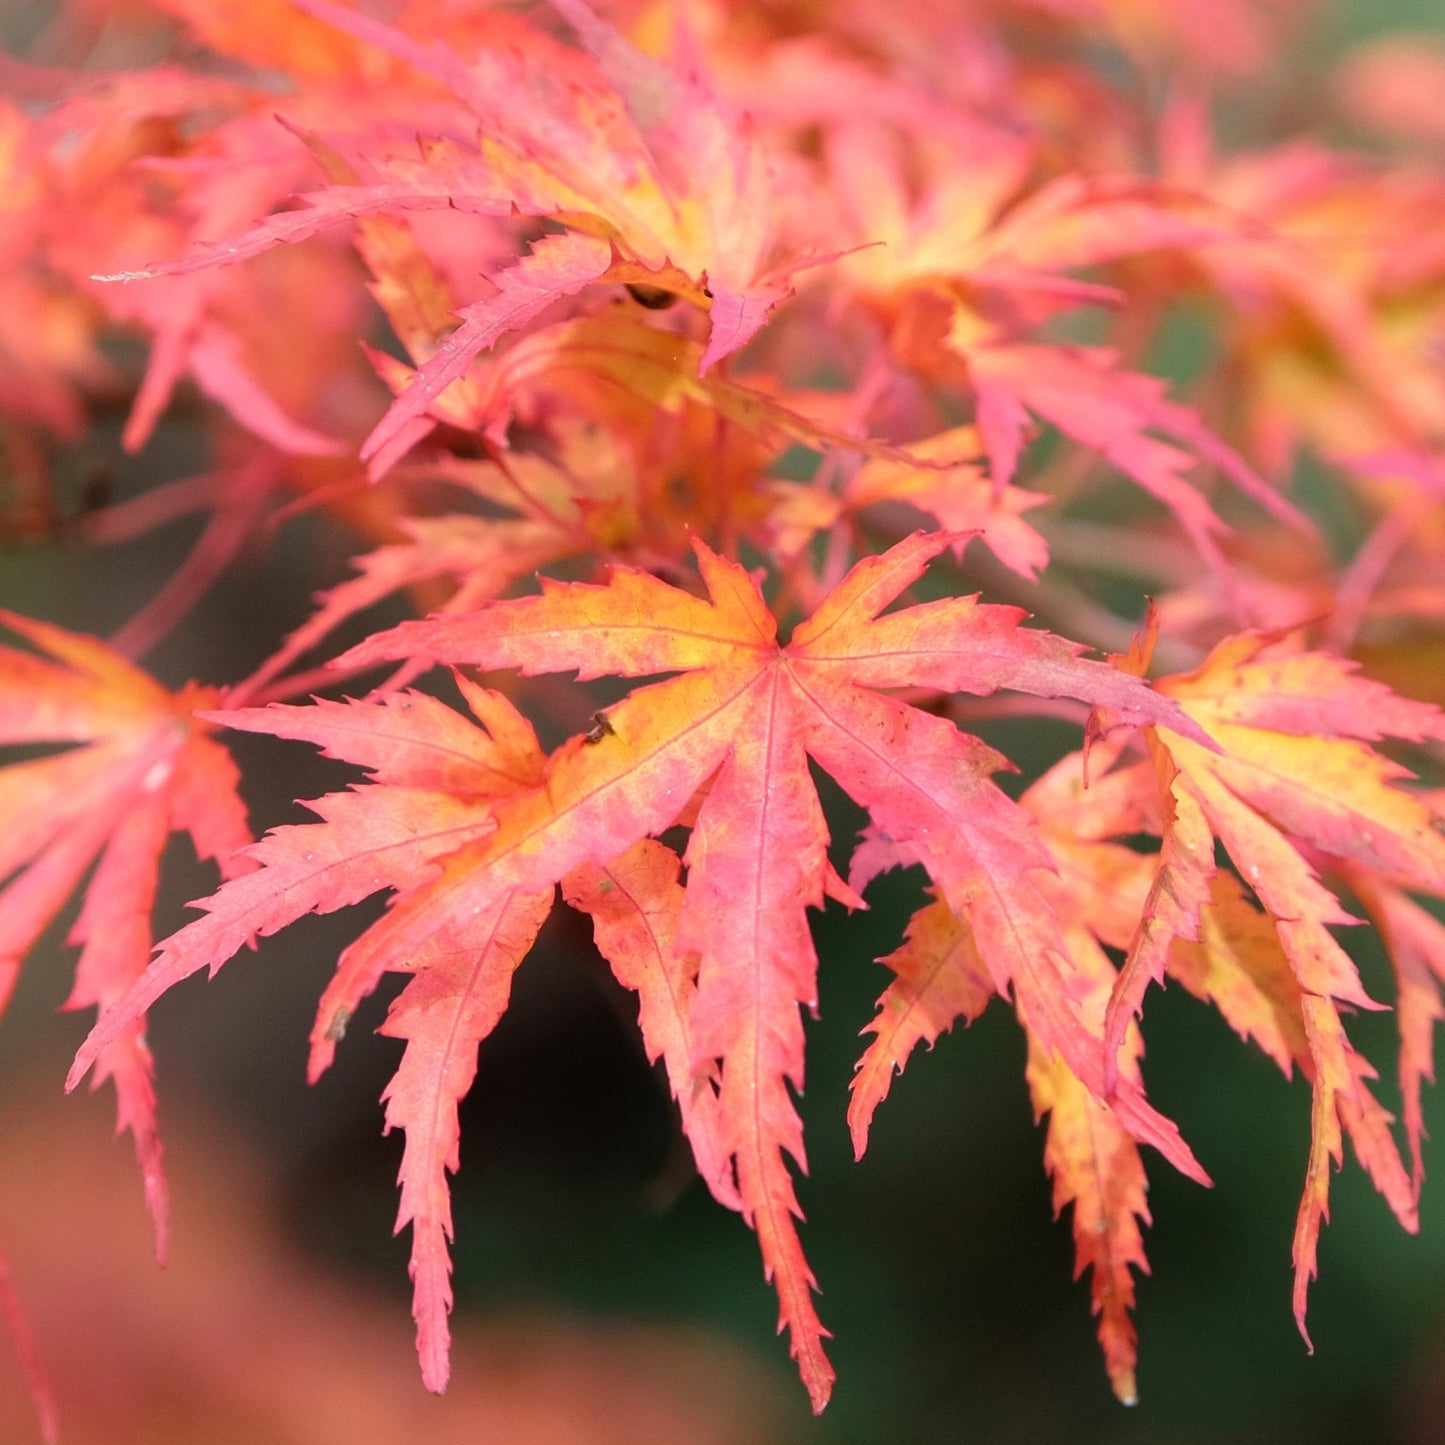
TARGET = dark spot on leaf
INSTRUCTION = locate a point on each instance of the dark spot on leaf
(655, 298)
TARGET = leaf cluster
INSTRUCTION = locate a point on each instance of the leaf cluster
(797, 365)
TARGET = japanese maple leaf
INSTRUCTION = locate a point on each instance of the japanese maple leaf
(1119, 414)
(939, 977)
(655, 183)
(137, 766)
(727, 959)
(743, 717)
(966, 279)
(436, 776)
(1296, 787)
(115, 206)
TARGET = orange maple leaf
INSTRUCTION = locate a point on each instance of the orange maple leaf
(740, 722)
(436, 778)
(1091, 1150)
(138, 766)
(656, 183)
(1293, 789)
(742, 719)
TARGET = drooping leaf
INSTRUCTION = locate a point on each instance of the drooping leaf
(938, 978)
(744, 714)
(1093, 1157)
(436, 778)
(635, 902)
(1296, 784)
(139, 766)
(1096, 1167)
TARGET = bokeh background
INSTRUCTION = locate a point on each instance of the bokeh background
(601, 1294)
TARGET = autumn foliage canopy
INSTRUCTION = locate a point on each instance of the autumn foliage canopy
(838, 377)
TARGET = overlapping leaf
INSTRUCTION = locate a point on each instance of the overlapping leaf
(1295, 787)
(742, 718)
(568, 231)
(656, 182)
(1097, 893)
(1292, 788)
(745, 714)
(436, 779)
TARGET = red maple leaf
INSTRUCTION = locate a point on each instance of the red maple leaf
(1296, 787)
(137, 766)
(1294, 793)
(657, 185)
(435, 780)
(474, 831)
